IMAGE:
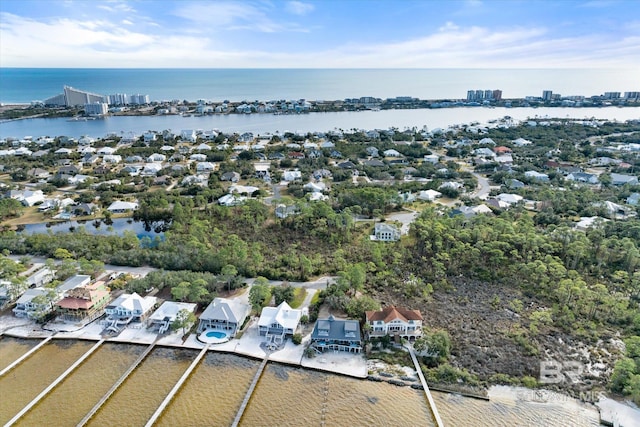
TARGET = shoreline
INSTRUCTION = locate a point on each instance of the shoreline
(428, 105)
(326, 363)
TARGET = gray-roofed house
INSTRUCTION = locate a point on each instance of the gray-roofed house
(223, 314)
(633, 199)
(230, 176)
(622, 179)
(385, 232)
(340, 335)
(74, 282)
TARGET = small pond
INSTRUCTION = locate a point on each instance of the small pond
(100, 228)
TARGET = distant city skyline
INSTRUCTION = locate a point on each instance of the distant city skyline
(320, 34)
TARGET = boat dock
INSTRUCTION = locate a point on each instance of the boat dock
(176, 387)
(427, 392)
(54, 384)
(118, 383)
(247, 397)
(25, 356)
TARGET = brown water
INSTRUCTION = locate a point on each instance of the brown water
(511, 407)
(12, 348)
(213, 393)
(140, 395)
(287, 396)
(88, 383)
(20, 385)
(284, 396)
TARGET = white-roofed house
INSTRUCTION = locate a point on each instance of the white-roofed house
(508, 198)
(122, 207)
(537, 176)
(156, 157)
(429, 195)
(276, 323)
(226, 315)
(205, 167)
(188, 135)
(162, 319)
(128, 308)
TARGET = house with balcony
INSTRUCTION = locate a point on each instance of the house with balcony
(383, 232)
(30, 307)
(396, 322)
(336, 335)
(276, 323)
(227, 315)
(83, 303)
(128, 308)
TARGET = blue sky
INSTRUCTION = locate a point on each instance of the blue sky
(320, 34)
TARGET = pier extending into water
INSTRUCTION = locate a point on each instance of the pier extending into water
(432, 403)
(176, 387)
(245, 402)
(118, 383)
(25, 356)
(54, 384)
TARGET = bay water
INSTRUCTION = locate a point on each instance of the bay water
(23, 85)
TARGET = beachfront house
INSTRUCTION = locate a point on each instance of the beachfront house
(162, 319)
(227, 315)
(83, 303)
(337, 335)
(276, 323)
(33, 308)
(395, 321)
(128, 308)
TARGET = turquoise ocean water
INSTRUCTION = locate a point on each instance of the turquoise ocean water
(23, 85)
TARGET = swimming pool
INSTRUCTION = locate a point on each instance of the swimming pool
(213, 336)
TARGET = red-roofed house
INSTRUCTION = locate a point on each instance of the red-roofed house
(502, 150)
(395, 321)
(84, 303)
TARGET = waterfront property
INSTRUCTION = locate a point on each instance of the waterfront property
(31, 307)
(276, 323)
(395, 321)
(166, 314)
(226, 315)
(334, 334)
(83, 303)
(128, 308)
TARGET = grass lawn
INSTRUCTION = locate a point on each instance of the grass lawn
(298, 297)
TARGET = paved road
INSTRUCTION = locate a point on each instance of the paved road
(406, 218)
(483, 190)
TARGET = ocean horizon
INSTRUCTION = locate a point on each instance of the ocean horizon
(24, 85)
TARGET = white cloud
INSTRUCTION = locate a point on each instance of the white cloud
(235, 16)
(102, 43)
(299, 8)
(449, 26)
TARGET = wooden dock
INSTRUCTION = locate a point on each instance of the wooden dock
(247, 397)
(176, 387)
(118, 383)
(54, 384)
(432, 403)
(25, 356)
